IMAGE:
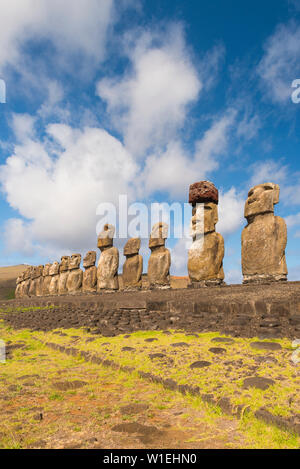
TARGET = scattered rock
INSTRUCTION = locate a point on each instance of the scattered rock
(224, 340)
(265, 345)
(128, 349)
(156, 355)
(200, 364)
(180, 344)
(67, 385)
(217, 350)
(133, 409)
(150, 340)
(258, 382)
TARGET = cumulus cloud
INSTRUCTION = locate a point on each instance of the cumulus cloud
(280, 63)
(268, 171)
(79, 26)
(149, 104)
(231, 211)
(173, 170)
(58, 193)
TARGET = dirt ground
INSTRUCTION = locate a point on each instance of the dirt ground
(51, 400)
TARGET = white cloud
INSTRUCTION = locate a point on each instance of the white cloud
(149, 105)
(280, 63)
(58, 193)
(72, 26)
(231, 212)
(268, 171)
(173, 170)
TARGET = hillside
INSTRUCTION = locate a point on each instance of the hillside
(8, 277)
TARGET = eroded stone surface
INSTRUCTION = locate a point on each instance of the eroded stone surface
(89, 283)
(133, 266)
(160, 259)
(63, 275)
(203, 192)
(75, 276)
(205, 257)
(264, 238)
(107, 271)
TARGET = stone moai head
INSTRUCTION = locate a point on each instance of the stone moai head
(27, 273)
(54, 268)
(64, 264)
(75, 261)
(46, 270)
(132, 247)
(261, 199)
(34, 273)
(204, 198)
(39, 270)
(89, 259)
(158, 235)
(106, 237)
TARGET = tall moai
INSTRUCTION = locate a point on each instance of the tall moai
(133, 266)
(89, 282)
(264, 238)
(74, 281)
(160, 259)
(205, 257)
(54, 274)
(46, 279)
(107, 271)
(63, 275)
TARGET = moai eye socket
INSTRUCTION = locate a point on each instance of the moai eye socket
(268, 188)
(250, 193)
(207, 207)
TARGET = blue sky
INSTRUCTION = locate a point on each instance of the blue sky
(144, 98)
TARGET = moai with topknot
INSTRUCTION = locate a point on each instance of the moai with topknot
(89, 283)
(160, 259)
(54, 274)
(46, 279)
(133, 266)
(74, 281)
(63, 275)
(107, 271)
(205, 257)
(264, 238)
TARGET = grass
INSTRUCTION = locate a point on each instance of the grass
(95, 408)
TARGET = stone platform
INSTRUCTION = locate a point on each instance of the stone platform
(265, 310)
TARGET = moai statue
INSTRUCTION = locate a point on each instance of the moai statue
(160, 258)
(54, 274)
(63, 275)
(264, 238)
(39, 281)
(33, 281)
(89, 283)
(205, 257)
(26, 282)
(46, 279)
(107, 271)
(133, 266)
(19, 282)
(74, 282)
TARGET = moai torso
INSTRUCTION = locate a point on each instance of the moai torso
(74, 281)
(18, 291)
(46, 279)
(63, 275)
(205, 257)
(107, 271)
(264, 238)
(39, 281)
(33, 282)
(89, 282)
(160, 259)
(54, 273)
(133, 266)
(26, 283)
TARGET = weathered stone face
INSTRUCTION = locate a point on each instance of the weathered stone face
(205, 257)
(54, 268)
(46, 270)
(261, 199)
(264, 238)
(133, 266)
(64, 265)
(107, 272)
(89, 259)
(89, 282)
(203, 192)
(105, 238)
(160, 259)
(75, 261)
(132, 246)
